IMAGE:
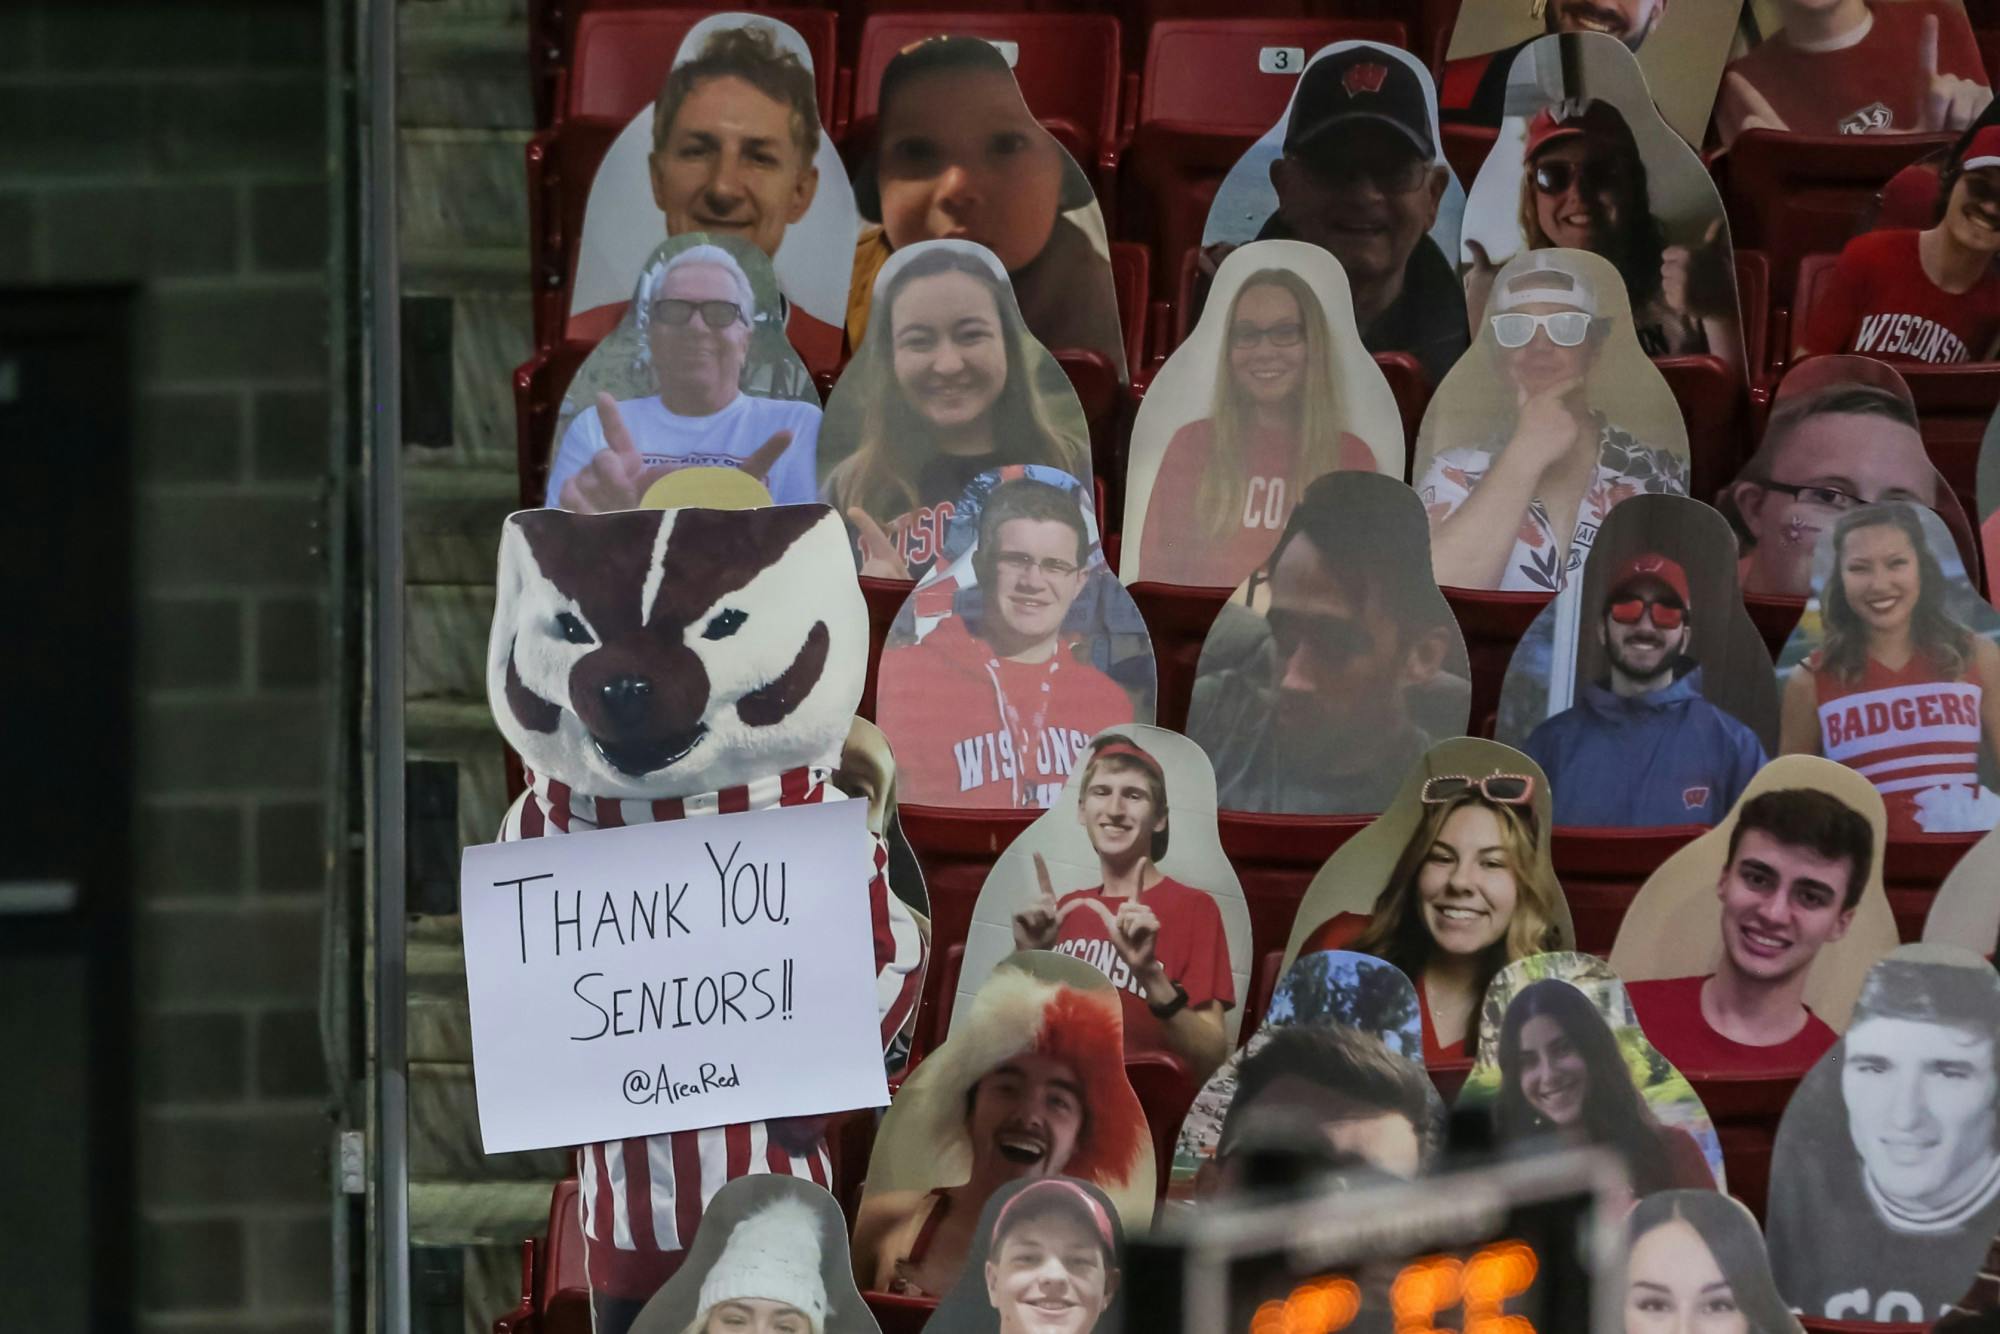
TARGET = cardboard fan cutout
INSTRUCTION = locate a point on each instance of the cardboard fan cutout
(1885, 1176)
(868, 771)
(1030, 1084)
(771, 1253)
(1456, 865)
(1988, 496)
(1777, 930)
(1583, 161)
(1861, 67)
(1557, 406)
(1008, 1284)
(1695, 1257)
(1338, 1059)
(1644, 691)
(1126, 872)
(950, 385)
(1361, 121)
(932, 173)
(1888, 588)
(1842, 432)
(1561, 1059)
(1966, 911)
(755, 618)
(736, 148)
(697, 374)
(1018, 647)
(1680, 46)
(1271, 390)
(1329, 671)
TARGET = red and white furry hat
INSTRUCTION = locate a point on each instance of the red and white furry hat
(1016, 1010)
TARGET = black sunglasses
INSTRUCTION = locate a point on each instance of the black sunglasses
(1594, 176)
(674, 311)
(1330, 639)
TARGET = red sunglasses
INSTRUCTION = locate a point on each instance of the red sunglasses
(1666, 615)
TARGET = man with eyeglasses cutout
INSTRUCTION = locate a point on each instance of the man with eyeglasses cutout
(1797, 864)
(1323, 721)
(1358, 176)
(1645, 748)
(1824, 453)
(997, 715)
(695, 328)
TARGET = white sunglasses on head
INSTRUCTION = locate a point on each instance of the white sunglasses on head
(1566, 328)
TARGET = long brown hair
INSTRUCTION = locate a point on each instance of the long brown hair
(1932, 630)
(1639, 244)
(1396, 931)
(896, 442)
(1218, 500)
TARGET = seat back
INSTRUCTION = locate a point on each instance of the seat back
(1954, 404)
(1601, 871)
(1753, 293)
(621, 57)
(561, 165)
(1068, 66)
(1212, 87)
(1715, 405)
(1276, 858)
(1792, 195)
(1492, 624)
(1913, 867)
(1745, 1111)
(539, 385)
(1177, 619)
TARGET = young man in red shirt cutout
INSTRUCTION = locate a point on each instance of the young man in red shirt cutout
(1159, 941)
(997, 716)
(1797, 863)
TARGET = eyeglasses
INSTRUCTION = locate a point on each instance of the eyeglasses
(1243, 337)
(1826, 497)
(1566, 328)
(1018, 563)
(678, 313)
(1666, 615)
(1505, 789)
(1330, 639)
(1594, 176)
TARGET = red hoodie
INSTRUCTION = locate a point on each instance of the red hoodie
(973, 729)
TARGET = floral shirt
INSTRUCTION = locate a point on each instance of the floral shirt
(1625, 468)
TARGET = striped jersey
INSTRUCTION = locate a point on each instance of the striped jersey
(1906, 731)
(642, 1199)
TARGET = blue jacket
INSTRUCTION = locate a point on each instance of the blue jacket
(1666, 758)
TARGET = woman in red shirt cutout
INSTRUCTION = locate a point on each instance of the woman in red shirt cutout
(1467, 897)
(1228, 482)
(1922, 296)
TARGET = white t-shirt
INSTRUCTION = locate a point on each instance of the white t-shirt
(720, 440)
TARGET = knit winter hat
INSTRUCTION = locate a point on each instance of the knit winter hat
(773, 1254)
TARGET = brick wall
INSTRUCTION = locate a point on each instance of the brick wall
(180, 143)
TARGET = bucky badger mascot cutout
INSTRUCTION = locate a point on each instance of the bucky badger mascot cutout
(664, 665)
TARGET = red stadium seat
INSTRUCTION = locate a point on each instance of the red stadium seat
(1954, 404)
(562, 162)
(1465, 148)
(897, 1314)
(1492, 623)
(1265, 973)
(1715, 404)
(1912, 869)
(1601, 871)
(1910, 198)
(1792, 195)
(1813, 271)
(1745, 1110)
(1753, 294)
(620, 58)
(1132, 275)
(1178, 620)
(1166, 1089)
(1276, 857)
(1412, 389)
(1068, 67)
(956, 849)
(539, 385)
(885, 597)
(1203, 101)
(555, 1295)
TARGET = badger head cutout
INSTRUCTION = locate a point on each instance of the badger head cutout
(664, 653)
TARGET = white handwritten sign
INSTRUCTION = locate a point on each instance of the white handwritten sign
(671, 976)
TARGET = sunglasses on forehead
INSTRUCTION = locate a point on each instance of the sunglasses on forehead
(1504, 789)
(1594, 176)
(679, 313)
(1666, 615)
(1565, 328)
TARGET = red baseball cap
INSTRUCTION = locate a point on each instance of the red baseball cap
(1651, 565)
(1983, 151)
(1566, 120)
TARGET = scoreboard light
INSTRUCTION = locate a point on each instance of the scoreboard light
(1529, 1246)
